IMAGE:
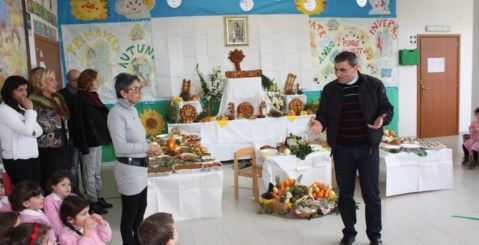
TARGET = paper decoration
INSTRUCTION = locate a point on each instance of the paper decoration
(373, 40)
(111, 48)
(134, 9)
(310, 7)
(173, 3)
(246, 5)
(89, 10)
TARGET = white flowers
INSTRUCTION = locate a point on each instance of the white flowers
(211, 89)
(276, 96)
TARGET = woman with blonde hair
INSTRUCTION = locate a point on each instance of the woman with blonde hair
(52, 116)
(90, 134)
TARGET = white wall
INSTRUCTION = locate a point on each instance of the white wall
(475, 63)
(413, 16)
(278, 44)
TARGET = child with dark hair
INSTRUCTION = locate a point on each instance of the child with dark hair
(81, 227)
(158, 229)
(471, 146)
(60, 186)
(26, 198)
(27, 233)
(8, 220)
(4, 203)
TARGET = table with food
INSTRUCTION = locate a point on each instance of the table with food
(415, 165)
(185, 179)
(224, 137)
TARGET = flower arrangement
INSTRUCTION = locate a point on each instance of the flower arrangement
(211, 87)
(173, 112)
(276, 95)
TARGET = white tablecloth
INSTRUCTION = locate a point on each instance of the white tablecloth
(408, 172)
(222, 142)
(315, 167)
(239, 90)
(186, 196)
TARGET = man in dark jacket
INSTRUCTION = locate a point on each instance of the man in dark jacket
(68, 92)
(353, 108)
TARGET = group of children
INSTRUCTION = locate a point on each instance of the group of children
(26, 217)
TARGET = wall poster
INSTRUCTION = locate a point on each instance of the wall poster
(111, 48)
(373, 40)
(13, 50)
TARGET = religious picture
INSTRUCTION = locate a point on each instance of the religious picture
(236, 30)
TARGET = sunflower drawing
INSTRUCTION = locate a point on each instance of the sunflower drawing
(152, 121)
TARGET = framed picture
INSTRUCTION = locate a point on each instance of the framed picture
(236, 30)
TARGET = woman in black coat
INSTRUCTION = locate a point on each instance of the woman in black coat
(90, 134)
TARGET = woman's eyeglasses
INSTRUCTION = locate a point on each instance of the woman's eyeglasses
(136, 89)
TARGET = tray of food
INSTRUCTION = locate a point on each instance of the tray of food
(159, 171)
(190, 157)
(207, 158)
(188, 168)
(212, 166)
(390, 148)
(432, 145)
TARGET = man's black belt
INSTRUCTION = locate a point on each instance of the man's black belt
(140, 162)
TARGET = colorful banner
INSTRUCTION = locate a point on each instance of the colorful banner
(13, 52)
(373, 40)
(80, 11)
(110, 49)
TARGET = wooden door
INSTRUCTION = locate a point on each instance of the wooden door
(47, 53)
(438, 85)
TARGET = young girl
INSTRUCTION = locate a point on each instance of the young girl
(471, 146)
(60, 187)
(158, 229)
(81, 227)
(8, 220)
(26, 198)
(4, 203)
(27, 233)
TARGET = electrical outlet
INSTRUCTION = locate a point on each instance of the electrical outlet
(412, 39)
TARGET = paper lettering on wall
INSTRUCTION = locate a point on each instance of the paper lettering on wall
(111, 48)
(435, 65)
(134, 9)
(372, 40)
(246, 5)
(89, 10)
(379, 7)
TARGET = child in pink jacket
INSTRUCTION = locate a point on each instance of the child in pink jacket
(81, 228)
(4, 203)
(61, 187)
(26, 198)
(471, 146)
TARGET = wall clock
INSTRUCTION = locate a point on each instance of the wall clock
(246, 5)
(173, 3)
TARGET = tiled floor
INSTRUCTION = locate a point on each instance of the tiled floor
(418, 218)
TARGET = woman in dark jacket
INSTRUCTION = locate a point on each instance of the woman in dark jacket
(89, 135)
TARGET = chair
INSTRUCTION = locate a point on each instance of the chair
(253, 171)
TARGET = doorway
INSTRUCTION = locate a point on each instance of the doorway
(438, 85)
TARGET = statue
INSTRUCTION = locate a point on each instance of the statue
(231, 108)
(289, 84)
(185, 90)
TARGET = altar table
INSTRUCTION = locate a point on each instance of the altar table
(315, 167)
(186, 196)
(222, 142)
(408, 172)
